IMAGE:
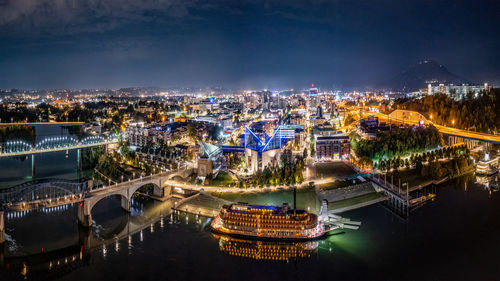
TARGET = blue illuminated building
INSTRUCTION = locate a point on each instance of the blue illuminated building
(261, 149)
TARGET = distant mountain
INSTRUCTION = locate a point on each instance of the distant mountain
(421, 74)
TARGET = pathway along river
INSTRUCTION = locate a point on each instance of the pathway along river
(454, 237)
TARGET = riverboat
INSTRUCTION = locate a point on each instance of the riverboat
(487, 166)
(269, 223)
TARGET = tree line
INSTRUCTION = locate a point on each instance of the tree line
(18, 132)
(417, 160)
(288, 172)
(481, 113)
(394, 143)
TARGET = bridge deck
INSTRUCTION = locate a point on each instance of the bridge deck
(413, 118)
(37, 151)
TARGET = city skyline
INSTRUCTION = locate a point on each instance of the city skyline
(249, 140)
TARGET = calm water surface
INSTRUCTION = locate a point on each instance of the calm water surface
(17, 170)
(454, 237)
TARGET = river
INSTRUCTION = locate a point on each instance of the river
(454, 237)
(61, 164)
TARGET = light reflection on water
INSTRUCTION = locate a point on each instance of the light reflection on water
(166, 247)
(17, 170)
(266, 250)
(103, 240)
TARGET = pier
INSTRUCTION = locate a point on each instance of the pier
(397, 199)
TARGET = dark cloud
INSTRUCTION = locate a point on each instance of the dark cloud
(86, 15)
(350, 43)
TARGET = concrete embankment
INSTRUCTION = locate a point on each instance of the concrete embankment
(350, 197)
(343, 193)
(356, 202)
(339, 200)
(201, 204)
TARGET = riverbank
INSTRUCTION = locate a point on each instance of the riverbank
(356, 202)
(407, 177)
(202, 204)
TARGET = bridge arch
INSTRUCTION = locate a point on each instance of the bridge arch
(125, 190)
(40, 192)
(408, 116)
(125, 195)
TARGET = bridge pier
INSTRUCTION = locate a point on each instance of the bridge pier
(162, 193)
(84, 215)
(2, 228)
(79, 162)
(84, 237)
(2, 255)
(125, 203)
(33, 167)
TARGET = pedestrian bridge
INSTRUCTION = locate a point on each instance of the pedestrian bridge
(52, 144)
(44, 193)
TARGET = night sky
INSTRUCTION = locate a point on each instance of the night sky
(254, 44)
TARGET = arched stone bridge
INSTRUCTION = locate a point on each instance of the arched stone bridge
(126, 190)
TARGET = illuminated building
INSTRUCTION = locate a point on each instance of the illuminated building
(313, 91)
(261, 149)
(334, 147)
(210, 160)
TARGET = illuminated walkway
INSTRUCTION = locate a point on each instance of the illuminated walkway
(62, 148)
(51, 144)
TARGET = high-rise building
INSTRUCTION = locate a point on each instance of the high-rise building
(442, 88)
(319, 112)
(313, 91)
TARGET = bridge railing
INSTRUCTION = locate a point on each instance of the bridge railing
(8, 151)
(141, 179)
(390, 187)
(47, 189)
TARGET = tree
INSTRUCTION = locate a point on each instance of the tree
(192, 132)
(418, 164)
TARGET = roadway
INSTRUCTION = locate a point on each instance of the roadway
(221, 189)
(126, 184)
(443, 129)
